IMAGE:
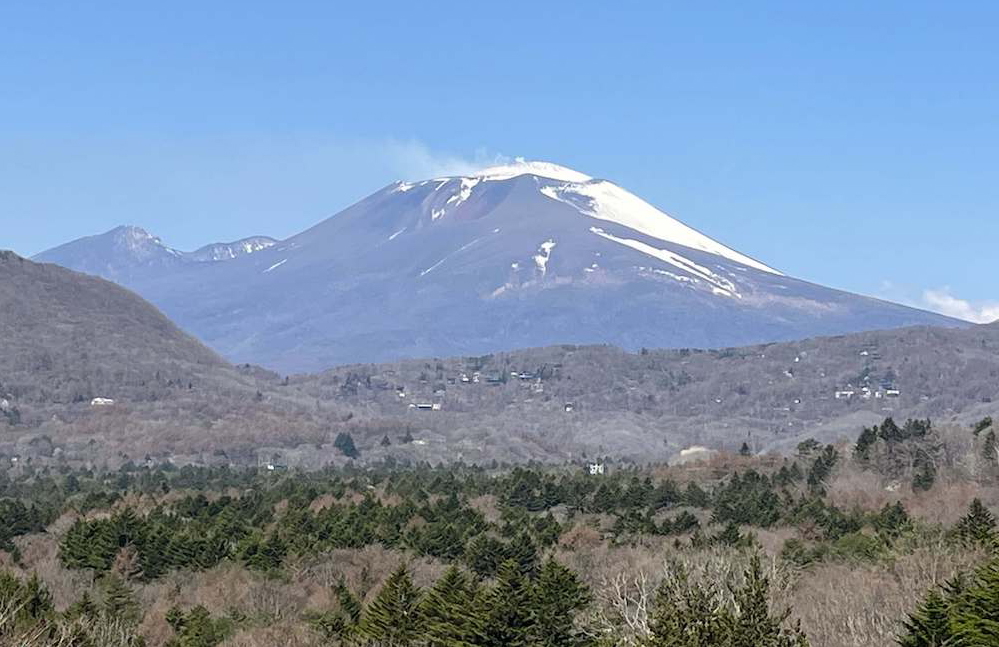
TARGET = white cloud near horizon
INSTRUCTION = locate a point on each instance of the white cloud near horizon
(941, 300)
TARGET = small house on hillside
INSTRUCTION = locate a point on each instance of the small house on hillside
(102, 402)
(596, 469)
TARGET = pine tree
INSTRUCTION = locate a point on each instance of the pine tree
(978, 527)
(448, 611)
(558, 596)
(686, 615)
(756, 625)
(508, 616)
(393, 619)
(83, 608)
(523, 551)
(862, 450)
(745, 450)
(484, 554)
(989, 448)
(36, 598)
(928, 626)
(345, 443)
(119, 601)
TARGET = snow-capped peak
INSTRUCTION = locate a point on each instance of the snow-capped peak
(520, 166)
(605, 200)
(594, 198)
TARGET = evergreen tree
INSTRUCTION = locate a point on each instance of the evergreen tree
(558, 596)
(345, 443)
(196, 628)
(523, 551)
(686, 615)
(83, 608)
(865, 442)
(989, 447)
(978, 527)
(484, 554)
(755, 624)
(928, 626)
(693, 614)
(393, 619)
(745, 450)
(36, 599)
(448, 611)
(119, 601)
(508, 619)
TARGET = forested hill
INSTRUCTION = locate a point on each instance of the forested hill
(66, 335)
(660, 401)
(70, 338)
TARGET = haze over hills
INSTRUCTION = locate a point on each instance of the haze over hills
(523, 255)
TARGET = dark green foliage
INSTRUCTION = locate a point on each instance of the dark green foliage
(822, 468)
(393, 619)
(557, 597)
(865, 442)
(978, 527)
(345, 443)
(744, 450)
(196, 628)
(119, 600)
(989, 448)
(748, 498)
(508, 620)
(339, 624)
(892, 522)
(929, 625)
(893, 451)
(961, 614)
(18, 519)
(692, 614)
(448, 611)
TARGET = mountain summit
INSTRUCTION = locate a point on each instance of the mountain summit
(523, 254)
(129, 253)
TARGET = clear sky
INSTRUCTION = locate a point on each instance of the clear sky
(853, 144)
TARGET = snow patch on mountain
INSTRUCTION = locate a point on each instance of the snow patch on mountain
(544, 256)
(520, 166)
(465, 191)
(275, 266)
(721, 285)
(229, 251)
(606, 201)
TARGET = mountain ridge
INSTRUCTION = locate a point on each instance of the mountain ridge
(494, 261)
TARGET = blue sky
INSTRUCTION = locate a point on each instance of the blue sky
(849, 144)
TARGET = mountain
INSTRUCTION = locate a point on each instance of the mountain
(128, 254)
(522, 255)
(72, 336)
(69, 338)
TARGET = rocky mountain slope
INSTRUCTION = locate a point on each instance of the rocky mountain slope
(524, 255)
